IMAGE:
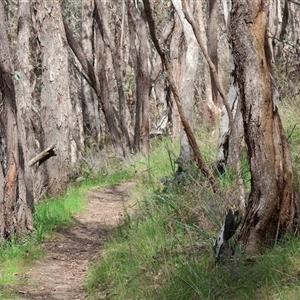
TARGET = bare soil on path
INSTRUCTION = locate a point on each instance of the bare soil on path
(61, 273)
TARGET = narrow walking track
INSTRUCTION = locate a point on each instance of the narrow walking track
(61, 274)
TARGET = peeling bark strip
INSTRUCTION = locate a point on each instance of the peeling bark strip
(231, 223)
(15, 209)
(271, 208)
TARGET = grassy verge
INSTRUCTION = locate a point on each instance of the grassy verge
(163, 250)
(17, 254)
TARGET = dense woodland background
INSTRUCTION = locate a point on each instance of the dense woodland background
(87, 81)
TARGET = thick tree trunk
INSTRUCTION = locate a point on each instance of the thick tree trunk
(16, 200)
(56, 108)
(271, 207)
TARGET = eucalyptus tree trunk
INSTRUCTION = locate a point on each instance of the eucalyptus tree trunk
(142, 77)
(187, 78)
(16, 200)
(212, 42)
(271, 208)
(90, 107)
(210, 109)
(274, 25)
(117, 71)
(56, 108)
(171, 79)
(175, 53)
(226, 156)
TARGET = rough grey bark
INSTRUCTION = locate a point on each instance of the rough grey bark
(116, 64)
(271, 208)
(143, 83)
(90, 107)
(56, 108)
(16, 200)
(212, 42)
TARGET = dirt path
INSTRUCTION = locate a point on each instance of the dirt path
(61, 274)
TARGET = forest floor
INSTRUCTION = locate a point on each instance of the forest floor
(61, 273)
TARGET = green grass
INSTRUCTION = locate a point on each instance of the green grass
(17, 254)
(164, 228)
(272, 275)
(164, 248)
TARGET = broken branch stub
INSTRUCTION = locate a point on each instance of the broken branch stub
(44, 155)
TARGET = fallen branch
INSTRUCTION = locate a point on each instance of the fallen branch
(44, 155)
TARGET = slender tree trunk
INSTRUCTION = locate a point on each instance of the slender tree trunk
(271, 208)
(143, 83)
(274, 25)
(226, 153)
(175, 53)
(106, 93)
(16, 200)
(168, 71)
(99, 83)
(210, 109)
(116, 63)
(90, 107)
(212, 42)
